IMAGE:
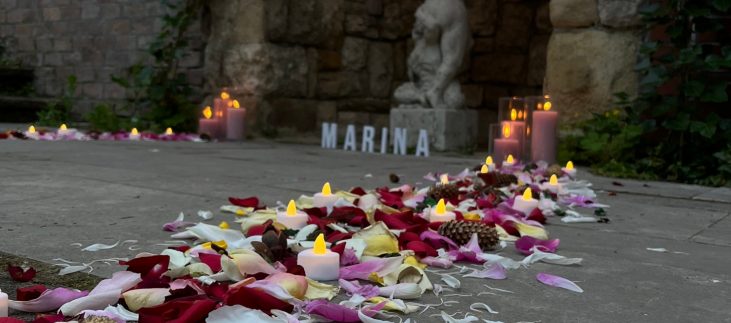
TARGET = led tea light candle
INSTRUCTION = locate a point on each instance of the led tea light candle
(506, 145)
(509, 162)
(324, 198)
(62, 130)
(444, 179)
(292, 218)
(490, 164)
(439, 213)
(169, 132)
(552, 184)
(207, 125)
(569, 169)
(134, 134)
(235, 120)
(544, 133)
(320, 263)
(484, 169)
(525, 203)
(32, 133)
(3, 304)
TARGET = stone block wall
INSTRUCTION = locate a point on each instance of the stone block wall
(91, 39)
(309, 61)
(592, 54)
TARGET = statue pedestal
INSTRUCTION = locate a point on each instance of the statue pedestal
(449, 129)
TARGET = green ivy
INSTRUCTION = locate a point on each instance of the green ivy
(59, 112)
(159, 93)
(679, 127)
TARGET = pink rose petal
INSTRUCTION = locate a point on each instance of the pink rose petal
(49, 300)
(526, 243)
(556, 281)
(492, 271)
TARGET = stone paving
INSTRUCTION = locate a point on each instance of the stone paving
(53, 194)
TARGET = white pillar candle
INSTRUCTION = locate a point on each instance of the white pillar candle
(525, 203)
(320, 263)
(324, 198)
(439, 213)
(3, 304)
(569, 169)
(134, 135)
(292, 218)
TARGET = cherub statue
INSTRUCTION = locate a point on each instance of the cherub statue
(441, 38)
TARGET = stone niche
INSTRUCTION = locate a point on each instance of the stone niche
(303, 62)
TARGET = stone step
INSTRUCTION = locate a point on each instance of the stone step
(16, 81)
(21, 109)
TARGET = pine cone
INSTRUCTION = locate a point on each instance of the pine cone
(496, 179)
(554, 169)
(446, 192)
(461, 233)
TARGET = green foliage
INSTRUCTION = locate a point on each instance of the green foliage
(104, 118)
(159, 94)
(60, 111)
(679, 126)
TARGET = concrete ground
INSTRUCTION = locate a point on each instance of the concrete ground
(54, 194)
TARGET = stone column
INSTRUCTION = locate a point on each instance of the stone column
(591, 54)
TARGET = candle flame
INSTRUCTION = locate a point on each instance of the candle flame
(224, 225)
(320, 247)
(207, 113)
(134, 132)
(32, 129)
(527, 194)
(553, 180)
(510, 159)
(520, 114)
(441, 208)
(570, 165)
(513, 114)
(225, 95)
(484, 169)
(539, 106)
(291, 208)
(169, 131)
(326, 191)
(236, 104)
(444, 179)
(506, 131)
(547, 106)
(527, 131)
(488, 160)
(63, 127)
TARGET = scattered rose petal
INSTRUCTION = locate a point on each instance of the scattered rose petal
(482, 306)
(49, 300)
(451, 281)
(100, 246)
(18, 274)
(556, 281)
(527, 243)
(491, 271)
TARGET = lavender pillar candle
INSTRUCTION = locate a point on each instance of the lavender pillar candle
(544, 134)
(235, 122)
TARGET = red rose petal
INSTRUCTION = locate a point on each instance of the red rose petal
(245, 202)
(422, 249)
(537, 215)
(19, 275)
(193, 309)
(29, 293)
(256, 299)
(212, 260)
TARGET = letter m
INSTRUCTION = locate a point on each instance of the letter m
(329, 135)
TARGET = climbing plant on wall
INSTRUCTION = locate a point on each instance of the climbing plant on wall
(679, 126)
(159, 93)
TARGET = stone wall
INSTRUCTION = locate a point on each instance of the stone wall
(305, 61)
(592, 54)
(91, 39)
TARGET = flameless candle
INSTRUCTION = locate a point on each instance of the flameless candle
(62, 130)
(3, 304)
(490, 164)
(324, 198)
(569, 169)
(506, 145)
(292, 218)
(439, 213)
(235, 122)
(207, 125)
(32, 133)
(484, 169)
(509, 162)
(169, 131)
(220, 107)
(553, 185)
(543, 134)
(525, 203)
(134, 134)
(517, 128)
(444, 179)
(320, 263)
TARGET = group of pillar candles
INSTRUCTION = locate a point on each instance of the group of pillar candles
(226, 121)
(527, 129)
